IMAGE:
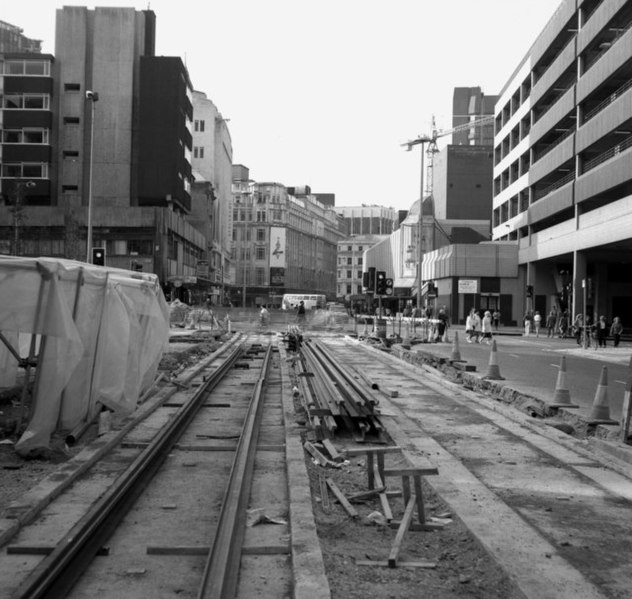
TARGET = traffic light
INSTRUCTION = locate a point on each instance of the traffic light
(389, 286)
(368, 279)
(98, 256)
(380, 282)
(529, 290)
(432, 289)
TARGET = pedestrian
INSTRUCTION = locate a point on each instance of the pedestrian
(496, 319)
(444, 324)
(486, 327)
(528, 323)
(615, 330)
(472, 326)
(551, 321)
(578, 327)
(264, 316)
(537, 321)
(602, 332)
(562, 325)
(300, 312)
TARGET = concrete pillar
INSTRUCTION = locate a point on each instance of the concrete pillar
(579, 274)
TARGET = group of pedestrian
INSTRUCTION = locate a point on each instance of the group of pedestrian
(596, 331)
(557, 325)
(480, 330)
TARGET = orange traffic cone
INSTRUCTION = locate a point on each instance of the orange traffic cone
(456, 352)
(562, 397)
(601, 409)
(493, 372)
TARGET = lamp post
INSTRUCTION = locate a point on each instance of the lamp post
(92, 97)
(420, 251)
(20, 186)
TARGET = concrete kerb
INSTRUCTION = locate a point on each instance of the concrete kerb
(612, 454)
(307, 559)
(523, 402)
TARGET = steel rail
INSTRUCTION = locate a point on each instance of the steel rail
(56, 574)
(221, 573)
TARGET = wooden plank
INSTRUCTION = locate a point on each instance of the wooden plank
(420, 499)
(319, 457)
(386, 506)
(340, 496)
(354, 451)
(381, 564)
(401, 532)
(366, 494)
(425, 471)
(332, 451)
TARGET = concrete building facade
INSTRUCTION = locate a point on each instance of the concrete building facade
(211, 210)
(351, 265)
(282, 242)
(563, 161)
(368, 220)
(114, 153)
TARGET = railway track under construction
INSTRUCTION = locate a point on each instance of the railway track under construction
(204, 493)
(188, 498)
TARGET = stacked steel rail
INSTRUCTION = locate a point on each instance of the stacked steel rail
(338, 394)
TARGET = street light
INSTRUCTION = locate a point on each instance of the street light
(420, 251)
(93, 97)
(17, 208)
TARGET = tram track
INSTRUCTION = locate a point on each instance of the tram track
(208, 434)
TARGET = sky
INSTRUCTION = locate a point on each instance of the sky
(324, 93)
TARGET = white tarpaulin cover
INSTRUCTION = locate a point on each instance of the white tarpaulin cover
(98, 335)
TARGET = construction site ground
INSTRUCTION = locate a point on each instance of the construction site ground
(464, 566)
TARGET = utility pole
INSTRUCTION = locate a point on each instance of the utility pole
(420, 249)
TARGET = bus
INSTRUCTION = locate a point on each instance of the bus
(311, 301)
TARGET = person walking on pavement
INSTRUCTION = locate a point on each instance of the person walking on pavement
(300, 313)
(442, 325)
(551, 321)
(562, 325)
(264, 316)
(537, 321)
(602, 332)
(528, 323)
(472, 326)
(615, 330)
(496, 320)
(578, 326)
(486, 327)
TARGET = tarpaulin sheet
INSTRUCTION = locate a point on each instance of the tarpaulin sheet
(101, 334)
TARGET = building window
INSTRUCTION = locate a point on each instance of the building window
(27, 67)
(359, 291)
(27, 169)
(349, 274)
(340, 274)
(349, 248)
(260, 252)
(198, 152)
(70, 153)
(71, 120)
(261, 216)
(348, 289)
(199, 125)
(25, 136)
(72, 87)
(350, 261)
(360, 261)
(359, 274)
(261, 234)
(26, 102)
(260, 276)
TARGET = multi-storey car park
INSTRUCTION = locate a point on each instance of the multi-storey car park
(562, 161)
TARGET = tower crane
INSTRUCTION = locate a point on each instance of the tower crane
(432, 148)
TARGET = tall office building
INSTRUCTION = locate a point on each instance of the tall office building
(563, 161)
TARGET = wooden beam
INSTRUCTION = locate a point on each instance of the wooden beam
(401, 531)
(340, 496)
